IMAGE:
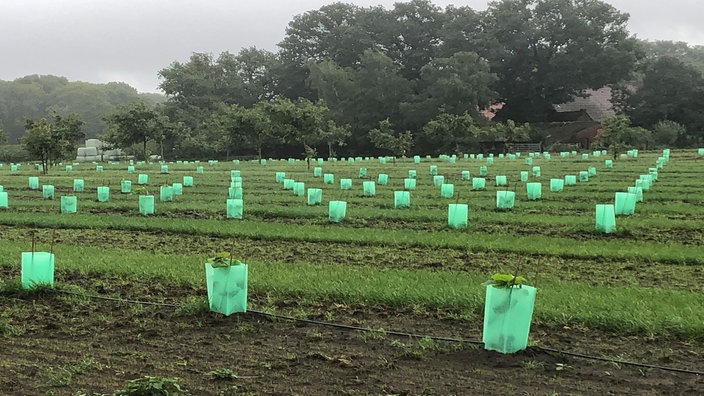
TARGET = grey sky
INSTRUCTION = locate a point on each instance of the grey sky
(131, 40)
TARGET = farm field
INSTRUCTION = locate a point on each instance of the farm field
(634, 295)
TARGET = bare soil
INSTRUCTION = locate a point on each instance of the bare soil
(62, 344)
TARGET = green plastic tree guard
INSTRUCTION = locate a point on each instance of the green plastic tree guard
(69, 168)
(280, 176)
(438, 180)
(643, 183)
(535, 171)
(234, 173)
(480, 156)
(534, 191)
(490, 161)
(465, 175)
(34, 183)
(362, 173)
(638, 191)
(382, 179)
(591, 171)
(227, 288)
(402, 199)
(529, 161)
(164, 169)
(483, 171)
(3, 200)
(178, 188)
(583, 176)
(328, 178)
(299, 189)
(69, 204)
(188, 181)
(457, 215)
(125, 187)
(2, 188)
(409, 184)
(505, 199)
(234, 208)
(130, 169)
(47, 191)
(501, 181)
(507, 316)
(369, 188)
(317, 171)
(412, 174)
(625, 203)
(605, 218)
(262, 161)
(37, 269)
(288, 184)
(103, 194)
(337, 210)
(99, 168)
(570, 180)
(345, 184)
(557, 185)
(585, 156)
(166, 194)
(13, 168)
(653, 173)
(315, 196)
(199, 170)
(146, 204)
(700, 151)
(234, 193)
(608, 164)
(142, 179)
(416, 158)
(433, 170)
(478, 183)
(524, 176)
(447, 190)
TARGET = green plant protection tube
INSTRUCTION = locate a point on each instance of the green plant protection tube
(529, 161)
(345, 184)
(47, 191)
(438, 180)
(501, 181)
(570, 180)
(125, 186)
(362, 173)
(433, 170)
(465, 175)
(3, 200)
(234, 193)
(37, 269)
(328, 178)
(508, 313)
(402, 199)
(291, 161)
(653, 173)
(605, 218)
(99, 168)
(534, 191)
(457, 215)
(320, 161)
(235, 173)
(535, 171)
(480, 156)
(608, 164)
(199, 170)
(33, 182)
(69, 168)
(142, 179)
(130, 169)
(478, 183)
(412, 174)
(638, 192)
(490, 161)
(452, 160)
(234, 208)
(337, 210)
(591, 171)
(188, 181)
(505, 199)
(483, 171)
(382, 160)
(262, 161)
(585, 156)
(317, 171)
(2, 188)
(583, 176)
(69, 204)
(416, 158)
(501, 155)
(178, 188)
(625, 203)
(280, 176)
(315, 196)
(382, 179)
(700, 151)
(547, 156)
(103, 194)
(557, 185)
(447, 190)
(166, 194)
(299, 189)
(227, 288)
(524, 176)
(409, 184)
(13, 168)
(369, 188)
(350, 160)
(164, 169)
(146, 204)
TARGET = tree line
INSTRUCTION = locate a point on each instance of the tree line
(416, 77)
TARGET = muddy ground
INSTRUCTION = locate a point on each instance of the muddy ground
(55, 343)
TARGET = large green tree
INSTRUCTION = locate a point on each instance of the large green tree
(136, 123)
(53, 138)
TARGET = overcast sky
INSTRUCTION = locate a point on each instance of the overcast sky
(131, 40)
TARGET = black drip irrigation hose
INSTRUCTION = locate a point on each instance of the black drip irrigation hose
(401, 334)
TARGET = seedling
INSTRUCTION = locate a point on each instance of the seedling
(504, 281)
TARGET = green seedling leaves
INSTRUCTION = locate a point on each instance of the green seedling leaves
(506, 280)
